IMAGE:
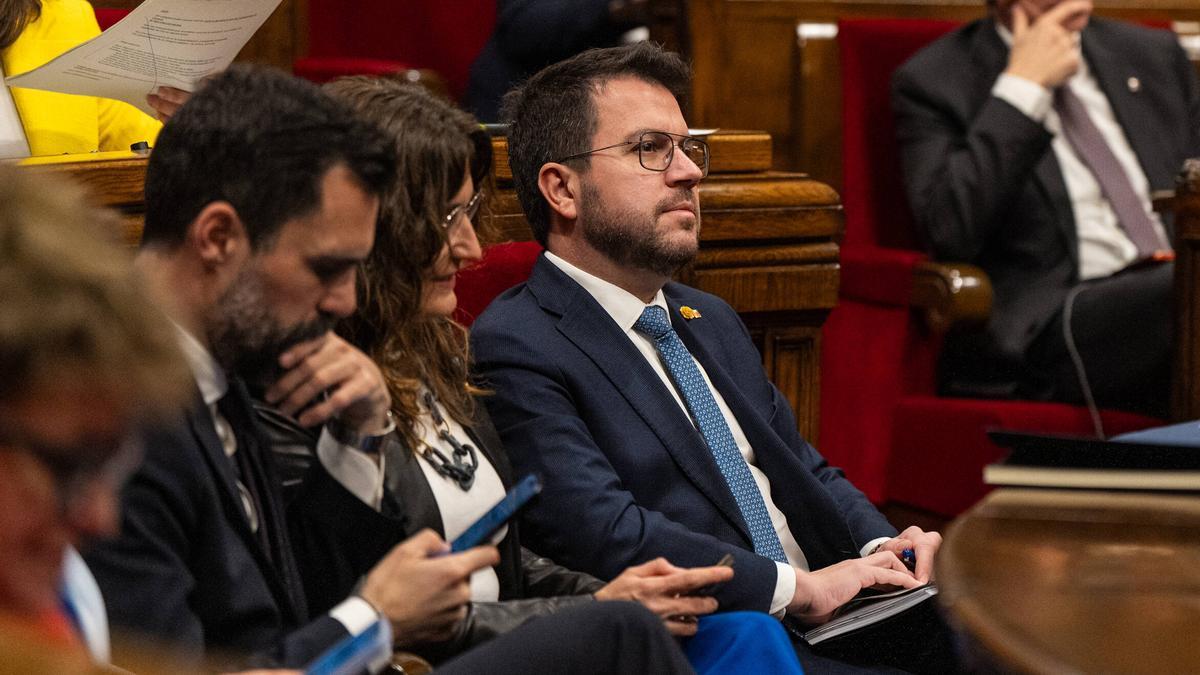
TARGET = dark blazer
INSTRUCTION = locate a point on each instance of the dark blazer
(984, 184)
(333, 558)
(627, 476)
(186, 568)
(530, 35)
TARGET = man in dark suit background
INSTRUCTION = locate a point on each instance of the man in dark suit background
(641, 459)
(262, 198)
(1055, 209)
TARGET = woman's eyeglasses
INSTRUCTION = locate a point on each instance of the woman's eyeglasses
(463, 212)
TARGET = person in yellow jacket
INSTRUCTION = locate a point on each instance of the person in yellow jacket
(34, 31)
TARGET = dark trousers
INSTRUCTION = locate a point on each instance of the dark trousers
(600, 638)
(1122, 331)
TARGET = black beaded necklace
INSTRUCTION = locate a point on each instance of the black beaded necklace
(461, 465)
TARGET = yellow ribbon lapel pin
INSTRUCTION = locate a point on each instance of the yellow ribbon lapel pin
(689, 313)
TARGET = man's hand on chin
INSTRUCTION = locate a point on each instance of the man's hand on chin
(327, 377)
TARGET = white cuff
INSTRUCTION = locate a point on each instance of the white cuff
(785, 589)
(871, 545)
(355, 614)
(1028, 96)
(358, 472)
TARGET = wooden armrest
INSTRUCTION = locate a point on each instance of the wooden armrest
(951, 294)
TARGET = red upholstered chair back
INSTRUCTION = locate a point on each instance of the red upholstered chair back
(881, 419)
(435, 34)
(872, 188)
(503, 266)
(107, 16)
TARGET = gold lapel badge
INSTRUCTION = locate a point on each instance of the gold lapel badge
(689, 313)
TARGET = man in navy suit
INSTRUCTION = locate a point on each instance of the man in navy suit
(690, 452)
(997, 178)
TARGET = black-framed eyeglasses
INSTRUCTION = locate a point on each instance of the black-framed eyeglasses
(467, 211)
(656, 149)
(75, 470)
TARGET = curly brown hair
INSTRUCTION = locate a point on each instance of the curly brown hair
(436, 145)
(15, 15)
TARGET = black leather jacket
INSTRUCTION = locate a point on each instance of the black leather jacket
(335, 554)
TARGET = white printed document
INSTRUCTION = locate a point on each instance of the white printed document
(173, 43)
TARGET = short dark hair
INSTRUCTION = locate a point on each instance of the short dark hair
(553, 113)
(262, 141)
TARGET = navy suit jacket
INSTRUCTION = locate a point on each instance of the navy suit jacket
(187, 570)
(985, 186)
(627, 476)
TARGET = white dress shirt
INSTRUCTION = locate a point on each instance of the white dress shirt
(13, 144)
(80, 589)
(1104, 249)
(354, 613)
(625, 309)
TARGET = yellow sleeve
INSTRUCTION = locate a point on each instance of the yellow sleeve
(122, 125)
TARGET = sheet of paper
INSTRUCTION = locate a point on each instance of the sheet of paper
(12, 135)
(173, 43)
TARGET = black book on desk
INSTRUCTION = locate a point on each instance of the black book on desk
(1059, 461)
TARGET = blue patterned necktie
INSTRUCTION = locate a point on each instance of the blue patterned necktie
(703, 407)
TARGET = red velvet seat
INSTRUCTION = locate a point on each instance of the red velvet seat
(503, 266)
(881, 418)
(373, 37)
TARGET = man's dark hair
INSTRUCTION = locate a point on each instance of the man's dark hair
(262, 141)
(553, 113)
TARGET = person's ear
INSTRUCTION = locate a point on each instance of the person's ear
(217, 235)
(560, 187)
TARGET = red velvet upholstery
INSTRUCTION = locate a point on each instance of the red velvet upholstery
(881, 419)
(107, 16)
(435, 34)
(503, 266)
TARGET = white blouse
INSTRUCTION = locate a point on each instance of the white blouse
(460, 509)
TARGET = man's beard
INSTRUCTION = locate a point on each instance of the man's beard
(632, 239)
(247, 339)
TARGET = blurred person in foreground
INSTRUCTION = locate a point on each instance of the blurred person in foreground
(86, 363)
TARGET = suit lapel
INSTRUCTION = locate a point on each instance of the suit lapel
(990, 56)
(204, 429)
(585, 323)
(1114, 74)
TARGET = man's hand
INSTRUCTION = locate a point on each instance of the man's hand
(663, 588)
(819, 593)
(357, 392)
(424, 597)
(166, 101)
(1044, 48)
(924, 545)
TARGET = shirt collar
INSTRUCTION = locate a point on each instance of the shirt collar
(209, 375)
(624, 307)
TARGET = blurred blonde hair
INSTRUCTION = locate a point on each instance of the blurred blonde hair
(73, 305)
